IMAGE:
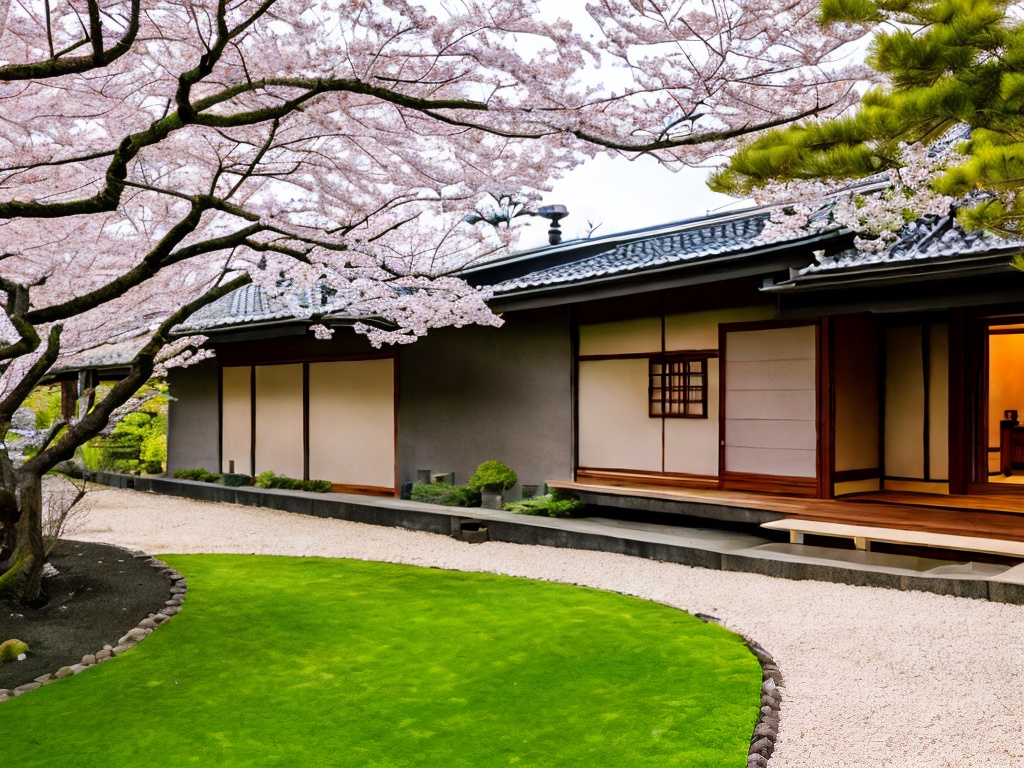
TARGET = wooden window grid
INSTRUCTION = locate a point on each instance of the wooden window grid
(678, 386)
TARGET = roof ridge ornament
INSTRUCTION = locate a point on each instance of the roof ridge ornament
(554, 213)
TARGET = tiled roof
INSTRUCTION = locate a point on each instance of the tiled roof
(111, 355)
(927, 240)
(250, 304)
(690, 243)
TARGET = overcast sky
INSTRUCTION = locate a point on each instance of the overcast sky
(623, 194)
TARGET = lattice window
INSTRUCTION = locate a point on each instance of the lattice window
(678, 386)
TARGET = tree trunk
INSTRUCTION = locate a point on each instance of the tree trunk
(9, 512)
(29, 537)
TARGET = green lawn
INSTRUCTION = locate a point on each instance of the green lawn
(312, 662)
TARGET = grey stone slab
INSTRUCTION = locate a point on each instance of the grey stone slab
(880, 562)
(1013, 575)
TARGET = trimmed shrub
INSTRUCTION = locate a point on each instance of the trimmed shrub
(199, 474)
(317, 486)
(282, 482)
(235, 480)
(494, 476)
(555, 504)
(269, 480)
(445, 494)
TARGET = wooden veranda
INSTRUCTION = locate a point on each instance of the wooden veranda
(993, 517)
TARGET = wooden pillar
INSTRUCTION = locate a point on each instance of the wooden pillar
(963, 366)
(68, 398)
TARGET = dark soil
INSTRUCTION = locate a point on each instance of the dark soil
(100, 594)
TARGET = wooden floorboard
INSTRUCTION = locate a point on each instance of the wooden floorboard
(990, 502)
(983, 521)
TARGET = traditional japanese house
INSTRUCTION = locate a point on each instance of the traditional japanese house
(690, 356)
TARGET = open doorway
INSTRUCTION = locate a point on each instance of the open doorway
(1004, 410)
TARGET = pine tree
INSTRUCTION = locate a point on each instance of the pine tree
(947, 62)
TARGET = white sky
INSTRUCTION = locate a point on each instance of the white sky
(625, 194)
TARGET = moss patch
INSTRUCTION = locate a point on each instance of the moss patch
(288, 661)
(11, 649)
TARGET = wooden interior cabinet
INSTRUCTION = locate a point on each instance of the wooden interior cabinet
(1011, 447)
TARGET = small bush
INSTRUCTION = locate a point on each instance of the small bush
(282, 482)
(445, 494)
(494, 476)
(269, 480)
(235, 480)
(318, 486)
(554, 504)
(63, 510)
(199, 474)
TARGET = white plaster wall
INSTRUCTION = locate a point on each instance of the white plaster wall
(621, 338)
(352, 422)
(279, 419)
(616, 431)
(236, 419)
(699, 330)
(691, 445)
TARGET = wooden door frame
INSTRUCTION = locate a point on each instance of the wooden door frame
(971, 399)
(822, 485)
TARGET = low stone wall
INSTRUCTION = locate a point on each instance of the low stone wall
(524, 529)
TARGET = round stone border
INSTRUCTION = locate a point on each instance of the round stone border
(766, 729)
(146, 627)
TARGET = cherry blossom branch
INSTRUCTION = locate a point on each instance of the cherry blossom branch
(17, 305)
(158, 258)
(59, 65)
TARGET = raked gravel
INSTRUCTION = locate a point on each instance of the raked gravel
(874, 677)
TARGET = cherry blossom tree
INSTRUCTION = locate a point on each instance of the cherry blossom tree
(156, 155)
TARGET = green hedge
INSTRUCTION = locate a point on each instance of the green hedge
(282, 482)
(555, 504)
(445, 494)
(199, 474)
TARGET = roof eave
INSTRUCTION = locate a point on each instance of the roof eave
(560, 290)
(946, 268)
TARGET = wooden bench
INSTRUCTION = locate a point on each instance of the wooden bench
(863, 535)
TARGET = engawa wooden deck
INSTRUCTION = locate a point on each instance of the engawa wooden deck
(988, 516)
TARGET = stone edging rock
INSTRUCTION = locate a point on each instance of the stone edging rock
(179, 588)
(766, 730)
(762, 743)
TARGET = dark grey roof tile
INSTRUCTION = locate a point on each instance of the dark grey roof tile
(691, 243)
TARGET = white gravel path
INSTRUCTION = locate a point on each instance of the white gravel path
(874, 678)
